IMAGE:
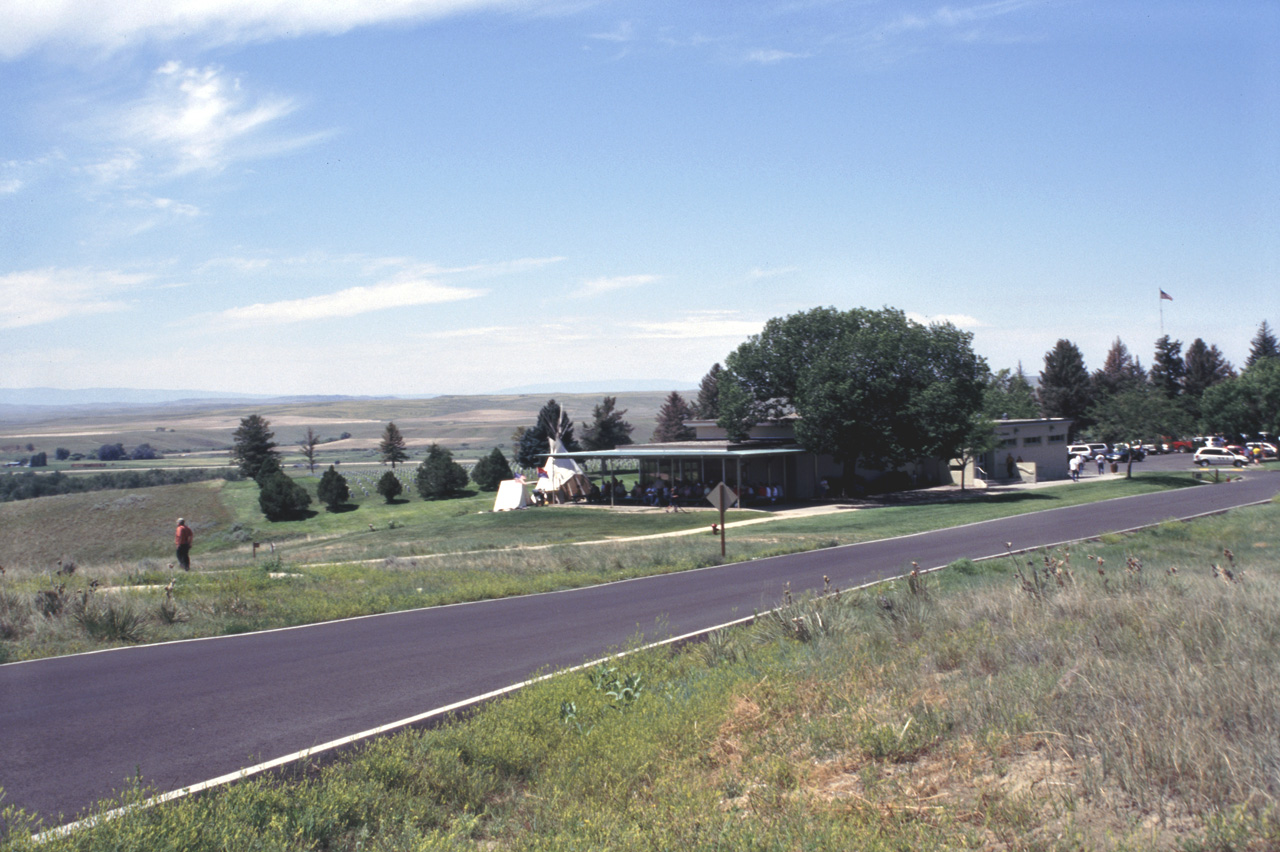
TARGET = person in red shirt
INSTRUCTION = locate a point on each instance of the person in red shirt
(183, 537)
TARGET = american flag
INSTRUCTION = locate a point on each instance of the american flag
(1164, 295)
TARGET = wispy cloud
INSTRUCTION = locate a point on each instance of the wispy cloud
(625, 31)
(38, 296)
(199, 119)
(112, 26)
(957, 20)
(600, 286)
(399, 293)
(757, 273)
(772, 57)
(704, 324)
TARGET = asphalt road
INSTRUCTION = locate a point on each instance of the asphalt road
(75, 729)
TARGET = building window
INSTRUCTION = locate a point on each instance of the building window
(1027, 442)
(1007, 443)
(1057, 439)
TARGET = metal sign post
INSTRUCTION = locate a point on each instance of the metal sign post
(722, 497)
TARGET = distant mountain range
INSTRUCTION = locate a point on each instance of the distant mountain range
(607, 387)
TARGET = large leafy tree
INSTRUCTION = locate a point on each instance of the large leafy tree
(1007, 395)
(1246, 405)
(607, 429)
(534, 441)
(392, 448)
(707, 406)
(439, 475)
(252, 447)
(1140, 413)
(1065, 389)
(491, 471)
(1168, 368)
(867, 385)
(1262, 346)
(332, 489)
(1120, 372)
(671, 420)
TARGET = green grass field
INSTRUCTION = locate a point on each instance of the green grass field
(374, 557)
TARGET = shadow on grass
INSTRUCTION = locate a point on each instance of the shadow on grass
(342, 508)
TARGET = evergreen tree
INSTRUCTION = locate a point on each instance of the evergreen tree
(332, 489)
(607, 428)
(707, 406)
(491, 470)
(534, 441)
(1167, 368)
(252, 446)
(671, 417)
(307, 444)
(1205, 367)
(439, 475)
(1065, 388)
(279, 497)
(40, 459)
(1263, 345)
(389, 486)
(392, 447)
(1120, 372)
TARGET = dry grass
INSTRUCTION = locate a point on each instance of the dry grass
(106, 526)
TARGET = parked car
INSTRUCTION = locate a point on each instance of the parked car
(1179, 446)
(1121, 453)
(1268, 450)
(1206, 456)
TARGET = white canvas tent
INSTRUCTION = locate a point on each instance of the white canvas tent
(562, 476)
(511, 495)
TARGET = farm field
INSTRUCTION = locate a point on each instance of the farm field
(201, 433)
(1115, 695)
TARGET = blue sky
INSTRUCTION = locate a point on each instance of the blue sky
(462, 196)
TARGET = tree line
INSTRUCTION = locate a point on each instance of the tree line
(1181, 393)
(28, 484)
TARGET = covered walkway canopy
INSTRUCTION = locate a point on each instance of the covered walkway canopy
(779, 465)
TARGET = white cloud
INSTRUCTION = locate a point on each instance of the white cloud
(38, 296)
(600, 286)
(958, 320)
(402, 292)
(772, 57)
(705, 324)
(950, 18)
(623, 32)
(757, 273)
(198, 119)
(110, 26)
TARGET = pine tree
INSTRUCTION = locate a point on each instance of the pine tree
(607, 429)
(252, 447)
(307, 445)
(491, 470)
(1204, 366)
(707, 406)
(1167, 368)
(332, 489)
(389, 486)
(671, 419)
(392, 447)
(1009, 396)
(279, 497)
(1065, 388)
(1119, 373)
(1263, 345)
(534, 441)
(439, 475)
